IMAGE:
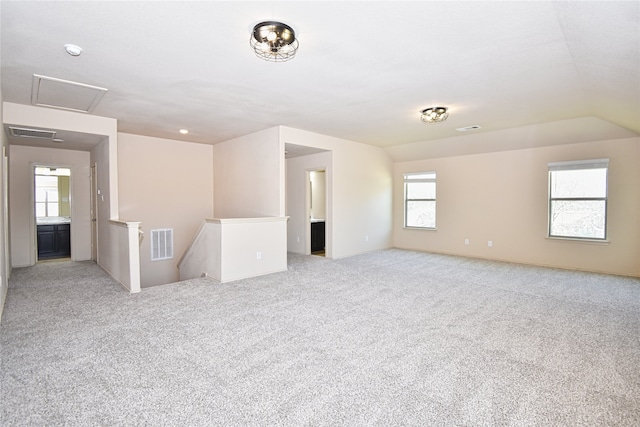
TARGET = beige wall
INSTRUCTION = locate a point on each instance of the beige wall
(318, 194)
(164, 184)
(22, 218)
(359, 206)
(249, 176)
(502, 197)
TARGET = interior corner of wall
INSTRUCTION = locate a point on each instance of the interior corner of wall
(114, 208)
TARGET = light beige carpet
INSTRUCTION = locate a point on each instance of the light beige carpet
(388, 338)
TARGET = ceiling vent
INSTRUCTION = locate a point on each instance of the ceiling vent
(32, 133)
(468, 128)
(64, 94)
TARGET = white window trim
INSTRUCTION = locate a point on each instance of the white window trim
(579, 165)
(405, 200)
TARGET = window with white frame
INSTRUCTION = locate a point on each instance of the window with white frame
(51, 196)
(578, 199)
(420, 200)
(46, 197)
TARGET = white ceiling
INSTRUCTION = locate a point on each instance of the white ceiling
(363, 72)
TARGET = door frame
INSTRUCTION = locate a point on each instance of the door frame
(33, 234)
(94, 211)
(307, 208)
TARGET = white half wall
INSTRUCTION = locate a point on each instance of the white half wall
(253, 247)
(236, 248)
(126, 234)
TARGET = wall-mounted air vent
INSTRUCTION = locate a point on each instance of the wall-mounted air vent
(161, 244)
(468, 128)
(31, 133)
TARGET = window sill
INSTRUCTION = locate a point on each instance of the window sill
(420, 228)
(578, 240)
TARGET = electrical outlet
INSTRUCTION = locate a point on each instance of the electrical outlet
(258, 255)
(490, 243)
(298, 239)
(366, 238)
(466, 241)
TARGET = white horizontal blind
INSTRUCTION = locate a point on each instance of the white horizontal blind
(161, 244)
(579, 164)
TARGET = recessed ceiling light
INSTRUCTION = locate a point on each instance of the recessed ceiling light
(184, 131)
(72, 49)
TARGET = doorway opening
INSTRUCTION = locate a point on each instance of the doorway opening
(317, 211)
(52, 207)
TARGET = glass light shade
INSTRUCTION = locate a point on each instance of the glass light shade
(434, 114)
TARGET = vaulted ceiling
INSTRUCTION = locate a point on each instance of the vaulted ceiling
(363, 71)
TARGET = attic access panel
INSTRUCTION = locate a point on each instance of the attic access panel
(65, 94)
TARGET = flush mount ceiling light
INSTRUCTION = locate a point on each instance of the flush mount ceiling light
(274, 41)
(434, 114)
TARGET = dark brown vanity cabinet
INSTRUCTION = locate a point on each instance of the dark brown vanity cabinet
(317, 236)
(54, 241)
